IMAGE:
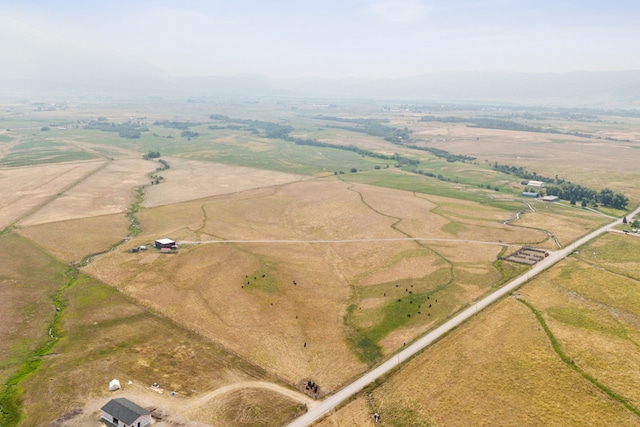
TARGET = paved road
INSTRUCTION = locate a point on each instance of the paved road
(334, 400)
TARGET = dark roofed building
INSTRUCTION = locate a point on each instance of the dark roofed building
(165, 243)
(122, 412)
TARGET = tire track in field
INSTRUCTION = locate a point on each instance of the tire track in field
(291, 394)
(364, 240)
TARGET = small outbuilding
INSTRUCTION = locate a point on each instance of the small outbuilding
(165, 243)
(114, 385)
(529, 194)
(550, 198)
(122, 412)
(535, 184)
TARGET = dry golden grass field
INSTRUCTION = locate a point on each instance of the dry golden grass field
(496, 370)
(28, 276)
(218, 289)
(566, 224)
(71, 240)
(108, 336)
(324, 292)
(25, 188)
(591, 162)
(108, 191)
(501, 368)
(191, 179)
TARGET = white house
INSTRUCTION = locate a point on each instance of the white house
(122, 412)
(535, 184)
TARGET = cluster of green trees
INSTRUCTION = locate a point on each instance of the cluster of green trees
(175, 124)
(189, 134)
(447, 119)
(269, 129)
(396, 136)
(449, 157)
(151, 155)
(372, 127)
(523, 173)
(574, 193)
(508, 125)
(128, 129)
(401, 160)
(489, 123)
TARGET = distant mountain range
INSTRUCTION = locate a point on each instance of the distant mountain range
(619, 89)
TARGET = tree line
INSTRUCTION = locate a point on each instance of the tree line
(374, 127)
(128, 129)
(449, 157)
(151, 155)
(269, 129)
(501, 124)
(401, 160)
(175, 124)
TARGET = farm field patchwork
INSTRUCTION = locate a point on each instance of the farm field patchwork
(298, 330)
(332, 282)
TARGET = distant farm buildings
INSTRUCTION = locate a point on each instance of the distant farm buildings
(530, 194)
(549, 198)
(535, 184)
(122, 412)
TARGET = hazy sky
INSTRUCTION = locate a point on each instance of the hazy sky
(74, 39)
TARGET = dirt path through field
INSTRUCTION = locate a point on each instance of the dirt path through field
(292, 394)
(373, 239)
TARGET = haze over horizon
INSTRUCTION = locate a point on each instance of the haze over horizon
(372, 39)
